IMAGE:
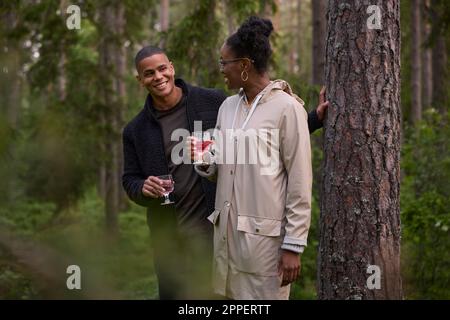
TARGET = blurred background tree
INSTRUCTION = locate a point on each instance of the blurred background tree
(66, 95)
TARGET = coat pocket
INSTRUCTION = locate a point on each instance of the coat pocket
(213, 217)
(259, 242)
(260, 226)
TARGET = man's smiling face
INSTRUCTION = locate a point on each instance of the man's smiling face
(157, 74)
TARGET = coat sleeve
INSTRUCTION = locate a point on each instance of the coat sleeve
(133, 178)
(313, 121)
(295, 151)
(209, 172)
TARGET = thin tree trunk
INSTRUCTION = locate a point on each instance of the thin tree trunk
(416, 69)
(61, 81)
(10, 105)
(440, 74)
(112, 71)
(13, 87)
(276, 15)
(440, 70)
(230, 22)
(318, 40)
(427, 79)
(101, 188)
(440, 80)
(266, 9)
(121, 56)
(165, 15)
(62, 74)
(164, 18)
(111, 201)
(298, 38)
(295, 32)
(210, 24)
(360, 211)
(10, 68)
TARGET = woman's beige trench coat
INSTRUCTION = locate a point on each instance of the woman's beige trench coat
(263, 191)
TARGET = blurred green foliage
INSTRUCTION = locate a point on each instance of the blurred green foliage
(49, 157)
(425, 208)
(124, 265)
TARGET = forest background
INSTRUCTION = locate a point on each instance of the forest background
(67, 93)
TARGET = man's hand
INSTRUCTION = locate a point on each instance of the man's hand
(323, 105)
(289, 267)
(152, 187)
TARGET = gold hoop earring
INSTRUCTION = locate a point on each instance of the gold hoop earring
(242, 76)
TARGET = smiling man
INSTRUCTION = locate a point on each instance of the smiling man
(182, 237)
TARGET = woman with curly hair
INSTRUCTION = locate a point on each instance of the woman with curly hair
(262, 217)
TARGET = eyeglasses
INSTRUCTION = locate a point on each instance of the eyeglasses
(223, 63)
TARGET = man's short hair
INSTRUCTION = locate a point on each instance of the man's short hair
(146, 52)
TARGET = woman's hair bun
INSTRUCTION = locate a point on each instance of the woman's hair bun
(254, 27)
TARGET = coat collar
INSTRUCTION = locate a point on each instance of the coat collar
(272, 88)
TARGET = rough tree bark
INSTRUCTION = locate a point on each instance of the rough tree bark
(360, 212)
(318, 40)
(416, 63)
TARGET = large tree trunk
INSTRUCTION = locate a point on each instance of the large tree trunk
(416, 68)
(360, 211)
(427, 80)
(318, 40)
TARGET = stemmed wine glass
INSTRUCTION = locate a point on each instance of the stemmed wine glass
(200, 146)
(168, 185)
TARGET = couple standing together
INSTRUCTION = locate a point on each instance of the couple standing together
(249, 229)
